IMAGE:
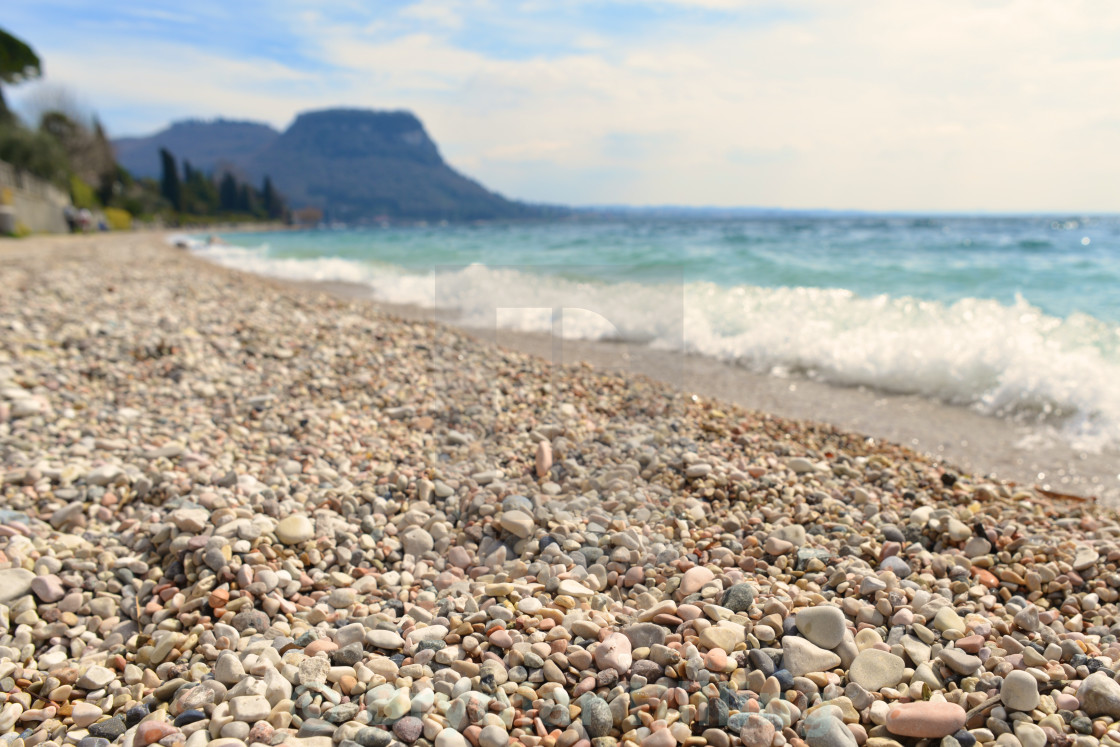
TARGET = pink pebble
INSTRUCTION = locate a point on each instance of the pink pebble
(971, 644)
(501, 639)
(1066, 702)
(689, 612)
(661, 738)
(925, 719)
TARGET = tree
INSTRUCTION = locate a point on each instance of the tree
(246, 200)
(199, 194)
(271, 202)
(90, 154)
(18, 63)
(169, 185)
(34, 152)
(227, 193)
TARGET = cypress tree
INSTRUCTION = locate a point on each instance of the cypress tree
(169, 185)
(227, 193)
(273, 206)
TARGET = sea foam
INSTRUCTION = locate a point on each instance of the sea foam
(1007, 360)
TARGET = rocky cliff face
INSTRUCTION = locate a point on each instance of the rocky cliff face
(355, 164)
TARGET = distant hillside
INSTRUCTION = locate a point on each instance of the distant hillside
(207, 145)
(356, 165)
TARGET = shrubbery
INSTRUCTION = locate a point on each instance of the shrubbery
(118, 219)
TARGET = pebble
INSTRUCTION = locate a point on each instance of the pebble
(1019, 691)
(738, 597)
(801, 657)
(925, 719)
(48, 588)
(694, 578)
(824, 626)
(84, 714)
(517, 523)
(757, 731)
(873, 669)
(493, 736)
(614, 652)
(824, 729)
(14, 583)
(242, 513)
(450, 738)
(408, 729)
(1099, 695)
(295, 530)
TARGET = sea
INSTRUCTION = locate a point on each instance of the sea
(1015, 317)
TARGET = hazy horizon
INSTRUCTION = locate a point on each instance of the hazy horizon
(880, 107)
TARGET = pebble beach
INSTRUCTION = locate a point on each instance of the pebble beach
(236, 512)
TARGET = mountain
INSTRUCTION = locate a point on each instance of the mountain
(354, 164)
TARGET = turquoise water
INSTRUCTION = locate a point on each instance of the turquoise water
(1014, 316)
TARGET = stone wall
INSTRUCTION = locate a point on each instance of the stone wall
(34, 203)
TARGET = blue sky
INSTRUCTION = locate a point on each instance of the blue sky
(875, 104)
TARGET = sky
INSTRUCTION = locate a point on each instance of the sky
(977, 105)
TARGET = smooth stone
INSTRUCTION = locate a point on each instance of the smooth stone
(793, 533)
(959, 661)
(96, 677)
(416, 541)
(897, 566)
(948, 619)
(149, 732)
(108, 729)
(493, 736)
(14, 583)
(450, 738)
(84, 714)
(694, 578)
(721, 637)
(574, 588)
(800, 657)
(738, 597)
(517, 523)
(372, 737)
(873, 669)
(801, 465)
(614, 652)
(190, 519)
(925, 719)
(645, 635)
(408, 729)
(1030, 735)
(660, 738)
(822, 729)
(1027, 619)
(596, 716)
(757, 731)
(1099, 695)
(824, 625)
(386, 639)
(249, 708)
(48, 588)
(295, 529)
(1019, 691)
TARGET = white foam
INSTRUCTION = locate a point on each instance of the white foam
(1004, 360)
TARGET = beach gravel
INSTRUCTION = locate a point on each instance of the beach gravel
(237, 512)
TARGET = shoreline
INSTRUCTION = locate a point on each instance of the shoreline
(240, 512)
(988, 446)
(976, 443)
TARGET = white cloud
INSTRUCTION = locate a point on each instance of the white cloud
(877, 104)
